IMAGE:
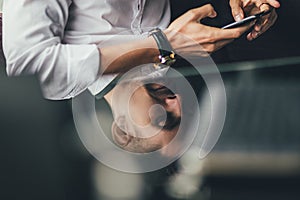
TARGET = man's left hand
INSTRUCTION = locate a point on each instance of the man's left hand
(240, 7)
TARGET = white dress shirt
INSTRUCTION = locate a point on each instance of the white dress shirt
(58, 40)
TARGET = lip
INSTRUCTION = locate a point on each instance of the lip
(160, 92)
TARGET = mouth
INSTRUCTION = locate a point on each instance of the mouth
(160, 92)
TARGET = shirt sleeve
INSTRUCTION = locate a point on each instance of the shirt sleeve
(32, 42)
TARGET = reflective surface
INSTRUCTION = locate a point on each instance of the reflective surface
(256, 157)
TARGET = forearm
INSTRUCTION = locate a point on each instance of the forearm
(35, 47)
(123, 57)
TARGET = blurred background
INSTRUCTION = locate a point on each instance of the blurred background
(256, 157)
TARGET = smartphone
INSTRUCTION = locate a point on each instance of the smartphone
(246, 20)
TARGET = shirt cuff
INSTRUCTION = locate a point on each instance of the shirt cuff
(101, 83)
(88, 72)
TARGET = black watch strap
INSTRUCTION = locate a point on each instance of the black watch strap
(167, 54)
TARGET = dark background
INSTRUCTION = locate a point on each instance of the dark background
(43, 158)
(282, 40)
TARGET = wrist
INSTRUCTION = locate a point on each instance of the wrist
(170, 35)
(153, 52)
(166, 52)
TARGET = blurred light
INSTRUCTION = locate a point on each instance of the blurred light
(189, 179)
(113, 184)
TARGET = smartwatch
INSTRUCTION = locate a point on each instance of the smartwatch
(166, 52)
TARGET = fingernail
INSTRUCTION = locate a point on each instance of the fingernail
(238, 17)
(249, 37)
(254, 35)
(257, 28)
(213, 14)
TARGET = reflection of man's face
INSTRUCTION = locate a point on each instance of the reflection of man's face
(152, 119)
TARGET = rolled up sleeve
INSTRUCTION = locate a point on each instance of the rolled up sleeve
(32, 44)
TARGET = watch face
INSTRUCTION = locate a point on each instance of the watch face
(168, 60)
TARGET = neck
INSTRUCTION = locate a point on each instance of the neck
(108, 97)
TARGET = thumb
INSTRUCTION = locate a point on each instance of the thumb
(236, 9)
(203, 12)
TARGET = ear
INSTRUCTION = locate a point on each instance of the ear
(120, 137)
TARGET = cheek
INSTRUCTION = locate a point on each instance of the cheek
(163, 138)
(139, 106)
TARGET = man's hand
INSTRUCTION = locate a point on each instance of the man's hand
(240, 7)
(186, 34)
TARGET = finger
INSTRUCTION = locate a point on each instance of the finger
(257, 30)
(250, 37)
(246, 3)
(221, 34)
(273, 3)
(262, 26)
(236, 9)
(263, 21)
(268, 22)
(202, 12)
(253, 35)
(265, 7)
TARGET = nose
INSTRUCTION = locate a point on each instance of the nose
(173, 105)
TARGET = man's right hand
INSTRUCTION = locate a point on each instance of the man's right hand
(191, 38)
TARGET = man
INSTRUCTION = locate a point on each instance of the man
(147, 114)
(63, 41)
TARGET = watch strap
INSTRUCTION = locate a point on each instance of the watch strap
(167, 54)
